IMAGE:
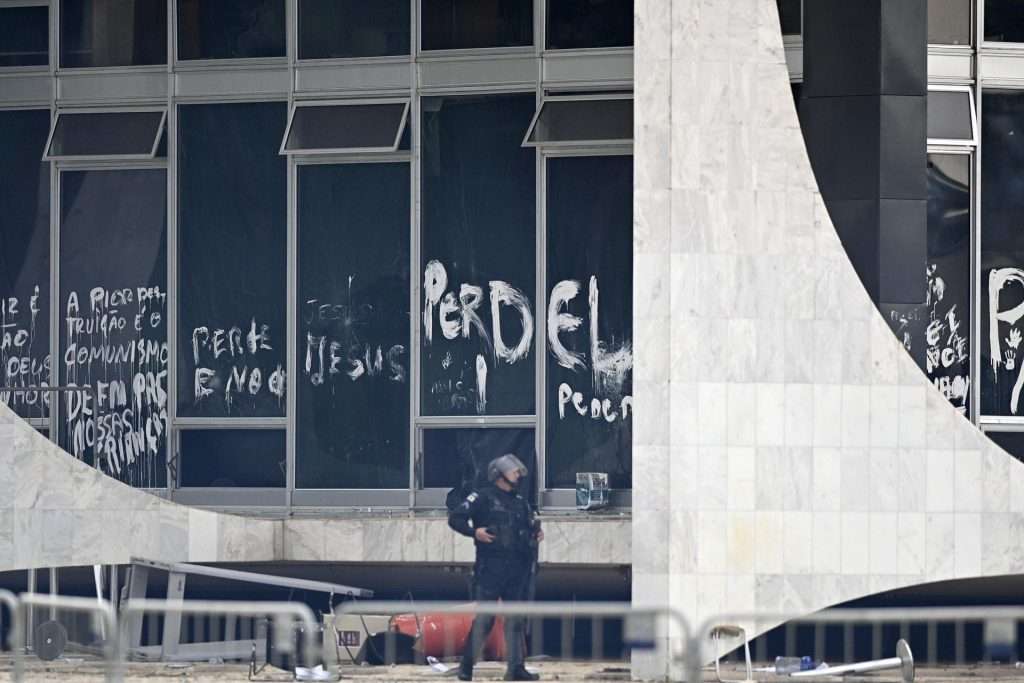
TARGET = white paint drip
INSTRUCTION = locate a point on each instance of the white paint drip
(481, 385)
(609, 368)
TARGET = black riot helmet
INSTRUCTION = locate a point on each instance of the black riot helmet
(504, 466)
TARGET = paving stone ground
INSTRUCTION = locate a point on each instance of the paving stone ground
(82, 670)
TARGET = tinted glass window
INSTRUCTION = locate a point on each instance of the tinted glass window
(1011, 442)
(949, 22)
(232, 189)
(478, 248)
(949, 115)
(346, 127)
(459, 457)
(1002, 252)
(25, 260)
(353, 28)
(106, 134)
(24, 36)
(230, 29)
(463, 24)
(113, 32)
(589, 383)
(589, 23)
(1004, 20)
(113, 329)
(233, 458)
(789, 16)
(353, 401)
(936, 333)
(582, 121)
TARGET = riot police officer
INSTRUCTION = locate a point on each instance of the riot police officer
(506, 533)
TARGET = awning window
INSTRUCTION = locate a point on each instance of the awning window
(581, 121)
(106, 135)
(952, 118)
(345, 128)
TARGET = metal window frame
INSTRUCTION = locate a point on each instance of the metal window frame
(72, 111)
(55, 48)
(580, 144)
(32, 68)
(307, 61)
(498, 51)
(227, 495)
(972, 29)
(432, 498)
(387, 498)
(222, 62)
(550, 497)
(975, 132)
(297, 105)
(57, 168)
(250, 498)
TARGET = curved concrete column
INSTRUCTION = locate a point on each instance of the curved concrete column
(788, 455)
(57, 511)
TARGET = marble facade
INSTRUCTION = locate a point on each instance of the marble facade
(788, 455)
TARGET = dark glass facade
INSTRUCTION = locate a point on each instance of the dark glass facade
(478, 256)
(24, 36)
(101, 33)
(473, 24)
(25, 261)
(328, 291)
(231, 29)
(333, 29)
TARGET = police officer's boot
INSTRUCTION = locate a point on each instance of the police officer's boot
(465, 671)
(521, 674)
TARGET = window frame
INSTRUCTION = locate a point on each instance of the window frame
(975, 130)
(215, 63)
(37, 68)
(161, 130)
(57, 168)
(576, 144)
(302, 104)
(344, 497)
(548, 497)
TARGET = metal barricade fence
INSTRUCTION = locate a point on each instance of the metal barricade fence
(653, 628)
(15, 635)
(993, 627)
(100, 609)
(284, 616)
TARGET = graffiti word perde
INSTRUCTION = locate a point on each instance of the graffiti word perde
(458, 316)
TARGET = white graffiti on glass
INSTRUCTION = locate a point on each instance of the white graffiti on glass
(458, 317)
(345, 354)
(998, 280)
(23, 357)
(945, 345)
(227, 364)
(107, 347)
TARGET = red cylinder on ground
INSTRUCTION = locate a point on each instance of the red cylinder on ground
(440, 635)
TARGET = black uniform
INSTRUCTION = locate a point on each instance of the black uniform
(504, 568)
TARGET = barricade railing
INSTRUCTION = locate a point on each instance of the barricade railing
(101, 610)
(15, 634)
(284, 617)
(937, 635)
(653, 628)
